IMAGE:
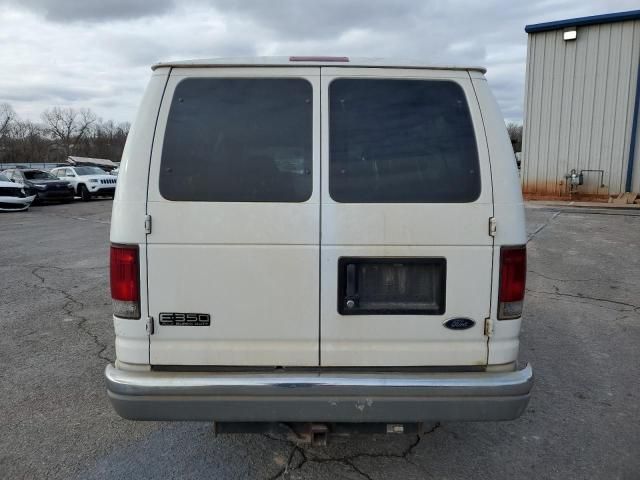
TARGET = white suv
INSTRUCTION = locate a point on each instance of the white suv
(318, 240)
(88, 182)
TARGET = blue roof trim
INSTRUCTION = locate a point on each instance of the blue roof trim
(634, 134)
(577, 22)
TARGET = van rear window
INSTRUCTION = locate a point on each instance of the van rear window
(238, 140)
(401, 141)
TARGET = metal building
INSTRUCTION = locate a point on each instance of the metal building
(581, 107)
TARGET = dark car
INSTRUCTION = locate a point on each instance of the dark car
(43, 185)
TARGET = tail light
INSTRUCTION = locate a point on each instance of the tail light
(513, 274)
(125, 281)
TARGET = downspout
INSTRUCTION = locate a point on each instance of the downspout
(634, 132)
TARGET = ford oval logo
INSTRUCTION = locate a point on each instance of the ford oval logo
(459, 323)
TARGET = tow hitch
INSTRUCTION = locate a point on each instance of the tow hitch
(315, 434)
(318, 434)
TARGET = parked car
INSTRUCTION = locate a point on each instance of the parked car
(42, 184)
(88, 182)
(321, 240)
(13, 196)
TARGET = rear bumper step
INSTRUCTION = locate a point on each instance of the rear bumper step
(317, 397)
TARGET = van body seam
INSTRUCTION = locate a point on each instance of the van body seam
(321, 156)
(146, 203)
(493, 215)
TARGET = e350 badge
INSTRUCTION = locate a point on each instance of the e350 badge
(185, 319)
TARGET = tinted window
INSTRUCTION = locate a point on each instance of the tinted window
(90, 171)
(38, 175)
(402, 141)
(4, 178)
(238, 140)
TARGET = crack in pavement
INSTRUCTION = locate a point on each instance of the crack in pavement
(51, 267)
(345, 460)
(25, 335)
(633, 308)
(562, 279)
(72, 312)
(543, 226)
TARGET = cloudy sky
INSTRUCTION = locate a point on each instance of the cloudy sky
(97, 53)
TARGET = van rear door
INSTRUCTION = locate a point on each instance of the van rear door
(406, 255)
(233, 257)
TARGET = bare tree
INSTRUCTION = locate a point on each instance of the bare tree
(7, 116)
(27, 142)
(105, 140)
(64, 131)
(68, 127)
(515, 134)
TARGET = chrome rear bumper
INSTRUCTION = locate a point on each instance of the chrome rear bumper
(319, 397)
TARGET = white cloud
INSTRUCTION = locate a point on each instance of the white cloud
(97, 53)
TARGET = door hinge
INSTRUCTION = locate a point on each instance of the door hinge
(147, 224)
(493, 226)
(488, 327)
(150, 327)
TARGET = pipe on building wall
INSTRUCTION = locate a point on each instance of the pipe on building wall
(634, 133)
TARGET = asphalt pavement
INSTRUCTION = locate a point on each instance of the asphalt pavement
(581, 333)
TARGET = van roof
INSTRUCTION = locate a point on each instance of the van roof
(305, 61)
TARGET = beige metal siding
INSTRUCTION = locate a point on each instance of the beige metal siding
(579, 108)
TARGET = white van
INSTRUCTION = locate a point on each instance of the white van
(318, 239)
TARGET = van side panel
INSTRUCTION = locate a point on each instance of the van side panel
(507, 195)
(129, 205)
(509, 213)
(129, 209)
